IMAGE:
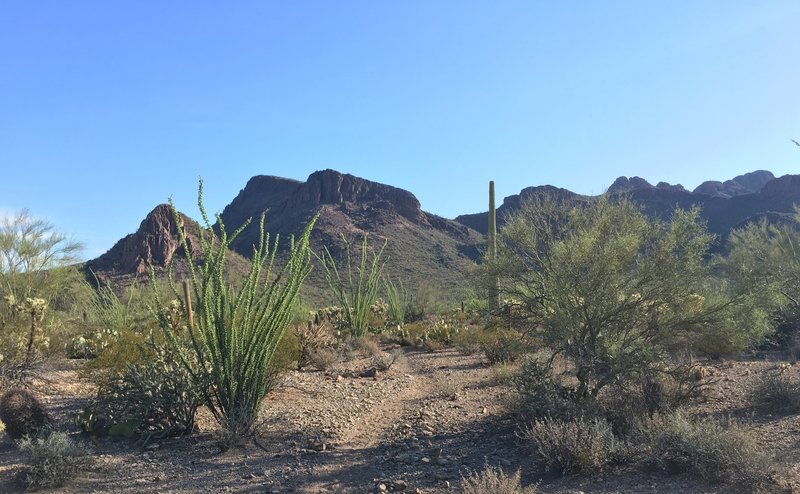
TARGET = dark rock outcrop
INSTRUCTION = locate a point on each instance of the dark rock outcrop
(155, 242)
(749, 183)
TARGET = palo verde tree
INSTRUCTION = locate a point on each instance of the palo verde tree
(767, 255)
(34, 275)
(607, 289)
(235, 331)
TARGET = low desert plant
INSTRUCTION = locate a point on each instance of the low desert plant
(397, 297)
(22, 413)
(776, 393)
(573, 446)
(236, 330)
(355, 287)
(494, 481)
(156, 396)
(323, 358)
(312, 337)
(53, 460)
(708, 449)
(384, 361)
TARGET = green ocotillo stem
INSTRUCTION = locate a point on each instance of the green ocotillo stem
(492, 248)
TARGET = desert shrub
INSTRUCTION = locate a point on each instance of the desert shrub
(503, 347)
(236, 330)
(355, 286)
(156, 396)
(495, 481)
(573, 446)
(384, 361)
(53, 460)
(324, 358)
(311, 338)
(775, 393)
(366, 345)
(542, 395)
(22, 413)
(709, 450)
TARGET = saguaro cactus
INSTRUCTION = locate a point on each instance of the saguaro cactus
(492, 249)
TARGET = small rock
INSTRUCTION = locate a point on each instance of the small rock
(382, 487)
(399, 485)
(425, 459)
(442, 461)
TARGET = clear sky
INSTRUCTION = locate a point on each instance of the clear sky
(109, 107)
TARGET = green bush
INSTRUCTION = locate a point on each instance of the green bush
(53, 460)
(709, 450)
(495, 481)
(610, 291)
(578, 445)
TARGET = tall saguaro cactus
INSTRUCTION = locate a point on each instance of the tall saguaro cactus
(492, 249)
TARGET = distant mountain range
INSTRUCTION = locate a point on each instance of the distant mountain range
(423, 249)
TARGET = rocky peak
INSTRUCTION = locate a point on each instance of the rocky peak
(749, 183)
(624, 184)
(154, 242)
(332, 187)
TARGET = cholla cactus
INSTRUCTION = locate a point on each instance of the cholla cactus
(379, 309)
(34, 307)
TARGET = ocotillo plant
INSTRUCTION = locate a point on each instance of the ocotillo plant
(356, 288)
(235, 331)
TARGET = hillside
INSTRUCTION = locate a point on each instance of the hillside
(423, 249)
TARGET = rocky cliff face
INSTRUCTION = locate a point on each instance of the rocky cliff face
(154, 242)
(424, 248)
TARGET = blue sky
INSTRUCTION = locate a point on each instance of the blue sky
(108, 108)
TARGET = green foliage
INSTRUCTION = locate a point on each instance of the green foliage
(355, 287)
(767, 257)
(397, 297)
(236, 331)
(608, 290)
(710, 450)
(495, 481)
(53, 460)
(34, 266)
(22, 413)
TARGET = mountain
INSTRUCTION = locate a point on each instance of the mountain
(155, 242)
(423, 249)
(736, 201)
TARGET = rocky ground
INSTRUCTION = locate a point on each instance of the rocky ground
(417, 427)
